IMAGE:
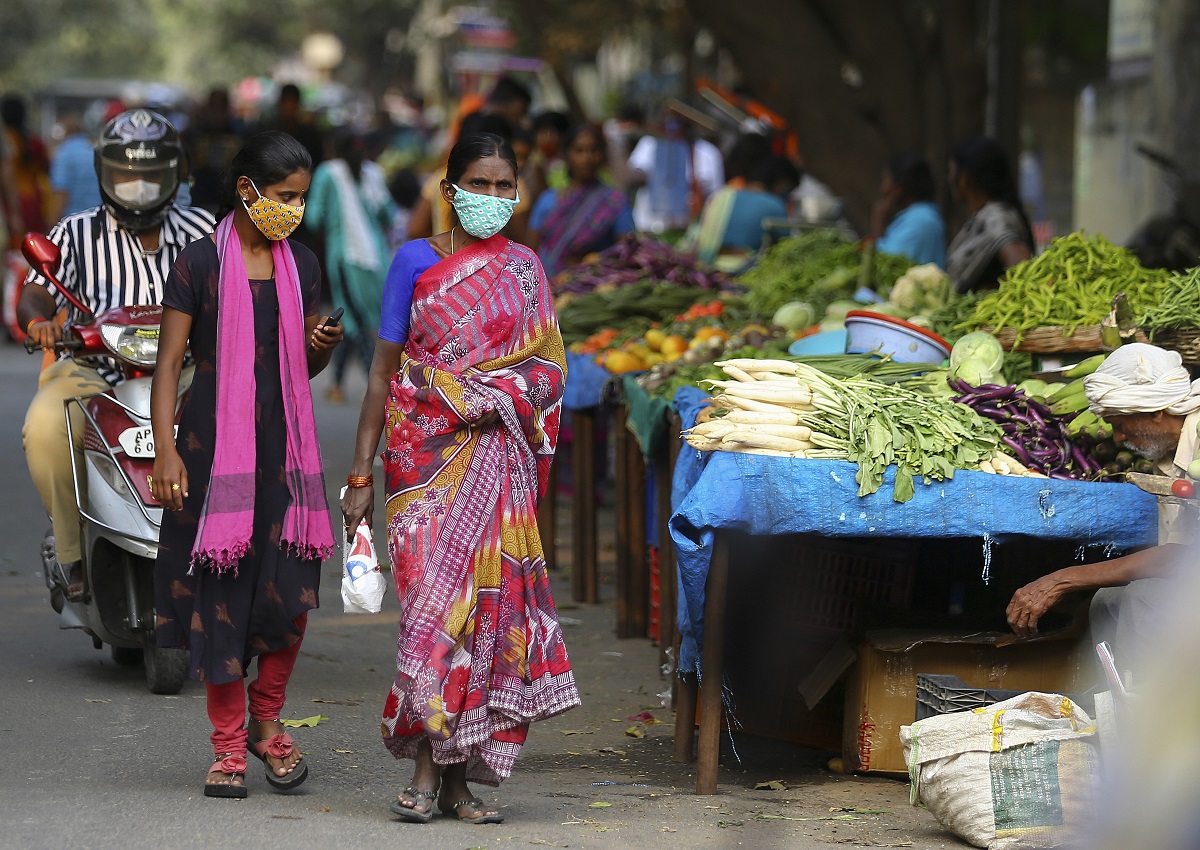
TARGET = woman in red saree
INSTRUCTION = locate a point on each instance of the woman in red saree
(468, 377)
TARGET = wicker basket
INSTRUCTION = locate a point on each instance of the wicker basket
(1184, 340)
(1055, 340)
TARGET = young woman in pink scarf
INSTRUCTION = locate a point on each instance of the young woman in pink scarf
(468, 381)
(246, 523)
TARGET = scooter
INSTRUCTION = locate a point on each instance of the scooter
(1170, 241)
(120, 518)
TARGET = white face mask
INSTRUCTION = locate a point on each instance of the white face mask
(139, 193)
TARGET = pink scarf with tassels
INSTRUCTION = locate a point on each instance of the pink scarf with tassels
(227, 520)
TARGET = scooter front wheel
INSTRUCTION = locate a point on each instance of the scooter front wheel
(166, 669)
(126, 656)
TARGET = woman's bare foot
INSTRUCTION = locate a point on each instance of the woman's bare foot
(264, 730)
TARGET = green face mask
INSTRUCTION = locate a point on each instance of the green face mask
(482, 215)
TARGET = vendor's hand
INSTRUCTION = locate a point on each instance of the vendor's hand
(326, 336)
(45, 333)
(358, 504)
(168, 482)
(1033, 600)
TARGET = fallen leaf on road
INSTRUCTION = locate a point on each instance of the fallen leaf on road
(668, 829)
(85, 699)
(776, 785)
(306, 721)
(611, 751)
(574, 821)
(635, 732)
(785, 817)
(857, 810)
(578, 732)
(573, 753)
(541, 843)
(644, 717)
(599, 804)
(727, 823)
(345, 752)
(334, 701)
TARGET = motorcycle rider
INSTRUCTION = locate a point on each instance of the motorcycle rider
(116, 254)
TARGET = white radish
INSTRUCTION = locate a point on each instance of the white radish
(755, 417)
(753, 365)
(792, 432)
(735, 372)
(986, 466)
(758, 440)
(771, 453)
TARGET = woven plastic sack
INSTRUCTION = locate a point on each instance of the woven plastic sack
(1017, 775)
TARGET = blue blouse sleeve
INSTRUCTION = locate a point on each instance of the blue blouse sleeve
(624, 222)
(410, 263)
(541, 208)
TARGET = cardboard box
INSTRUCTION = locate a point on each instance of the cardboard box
(881, 688)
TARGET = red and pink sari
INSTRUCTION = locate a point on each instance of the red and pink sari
(472, 422)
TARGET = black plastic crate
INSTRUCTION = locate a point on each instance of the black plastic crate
(942, 694)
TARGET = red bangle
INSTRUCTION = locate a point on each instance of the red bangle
(359, 480)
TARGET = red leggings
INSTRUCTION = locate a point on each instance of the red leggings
(227, 702)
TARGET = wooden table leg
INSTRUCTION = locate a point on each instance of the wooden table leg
(713, 666)
(633, 578)
(685, 718)
(622, 494)
(547, 520)
(585, 579)
(667, 610)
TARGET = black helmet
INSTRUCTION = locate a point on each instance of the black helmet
(138, 162)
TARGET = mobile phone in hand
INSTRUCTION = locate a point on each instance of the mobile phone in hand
(333, 318)
(330, 321)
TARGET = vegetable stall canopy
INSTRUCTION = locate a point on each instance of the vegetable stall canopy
(770, 495)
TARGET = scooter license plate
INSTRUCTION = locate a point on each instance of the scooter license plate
(139, 442)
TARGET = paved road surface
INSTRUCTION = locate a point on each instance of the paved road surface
(91, 759)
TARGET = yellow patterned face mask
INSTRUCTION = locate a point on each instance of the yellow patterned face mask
(275, 220)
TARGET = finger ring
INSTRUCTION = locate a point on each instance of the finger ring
(174, 486)
(149, 480)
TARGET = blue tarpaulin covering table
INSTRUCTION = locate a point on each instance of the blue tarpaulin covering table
(723, 491)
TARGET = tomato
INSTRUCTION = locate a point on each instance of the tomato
(1183, 488)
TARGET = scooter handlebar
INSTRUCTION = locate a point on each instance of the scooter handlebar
(1157, 157)
(32, 347)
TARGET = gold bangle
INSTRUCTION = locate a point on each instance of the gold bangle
(33, 322)
(359, 480)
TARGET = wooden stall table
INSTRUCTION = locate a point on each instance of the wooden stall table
(583, 397)
(756, 495)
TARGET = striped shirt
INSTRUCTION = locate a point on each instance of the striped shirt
(104, 265)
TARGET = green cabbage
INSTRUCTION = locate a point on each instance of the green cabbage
(978, 359)
(795, 316)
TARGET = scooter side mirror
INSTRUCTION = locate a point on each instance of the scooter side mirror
(44, 257)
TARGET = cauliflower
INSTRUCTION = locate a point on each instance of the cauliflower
(921, 289)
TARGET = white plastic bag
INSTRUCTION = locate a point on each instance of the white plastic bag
(1017, 775)
(363, 584)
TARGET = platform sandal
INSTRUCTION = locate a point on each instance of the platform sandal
(233, 766)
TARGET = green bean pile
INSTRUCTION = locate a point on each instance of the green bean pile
(1179, 306)
(1071, 284)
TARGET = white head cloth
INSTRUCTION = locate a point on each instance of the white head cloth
(1141, 378)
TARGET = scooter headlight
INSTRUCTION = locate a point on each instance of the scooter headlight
(136, 343)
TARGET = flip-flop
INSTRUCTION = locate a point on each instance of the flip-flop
(279, 747)
(409, 813)
(474, 802)
(235, 766)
